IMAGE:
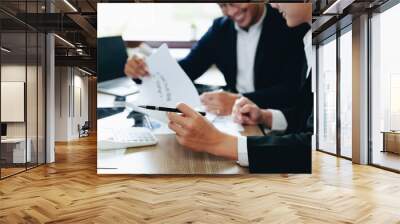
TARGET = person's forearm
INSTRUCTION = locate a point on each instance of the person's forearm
(227, 147)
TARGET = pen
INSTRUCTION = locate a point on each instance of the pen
(167, 109)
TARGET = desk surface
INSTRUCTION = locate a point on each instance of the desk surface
(13, 140)
(167, 157)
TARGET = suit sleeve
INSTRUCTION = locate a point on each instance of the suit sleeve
(201, 56)
(278, 96)
(291, 152)
(296, 115)
(292, 116)
(280, 154)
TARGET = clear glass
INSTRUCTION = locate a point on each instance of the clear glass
(32, 97)
(346, 94)
(22, 63)
(327, 96)
(15, 149)
(385, 89)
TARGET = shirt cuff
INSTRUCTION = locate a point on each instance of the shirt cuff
(243, 158)
(279, 122)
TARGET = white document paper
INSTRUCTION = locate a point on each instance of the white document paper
(225, 124)
(167, 84)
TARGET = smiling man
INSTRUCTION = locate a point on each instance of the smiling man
(244, 15)
(286, 153)
(258, 54)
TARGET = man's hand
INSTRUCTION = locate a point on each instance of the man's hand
(219, 103)
(197, 133)
(136, 67)
(246, 112)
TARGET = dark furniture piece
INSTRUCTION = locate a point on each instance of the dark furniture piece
(84, 130)
(391, 141)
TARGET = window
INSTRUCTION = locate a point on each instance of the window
(385, 89)
(327, 96)
(346, 94)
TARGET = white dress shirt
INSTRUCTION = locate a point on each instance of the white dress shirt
(246, 48)
(278, 119)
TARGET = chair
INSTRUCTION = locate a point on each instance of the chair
(84, 130)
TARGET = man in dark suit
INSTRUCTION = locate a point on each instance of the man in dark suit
(289, 152)
(258, 54)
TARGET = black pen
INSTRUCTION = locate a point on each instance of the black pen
(167, 109)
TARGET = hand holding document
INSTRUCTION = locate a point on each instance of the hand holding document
(167, 85)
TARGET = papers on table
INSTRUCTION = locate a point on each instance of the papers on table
(225, 124)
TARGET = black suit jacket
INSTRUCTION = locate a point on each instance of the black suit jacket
(289, 152)
(278, 62)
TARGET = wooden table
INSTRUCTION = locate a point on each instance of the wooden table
(167, 157)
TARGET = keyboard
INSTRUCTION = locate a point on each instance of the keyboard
(123, 86)
(125, 138)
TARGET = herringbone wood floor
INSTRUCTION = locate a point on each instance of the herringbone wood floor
(69, 191)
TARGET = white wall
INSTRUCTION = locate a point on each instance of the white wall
(12, 101)
(61, 103)
(82, 82)
(14, 73)
(70, 83)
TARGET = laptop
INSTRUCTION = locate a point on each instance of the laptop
(111, 59)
